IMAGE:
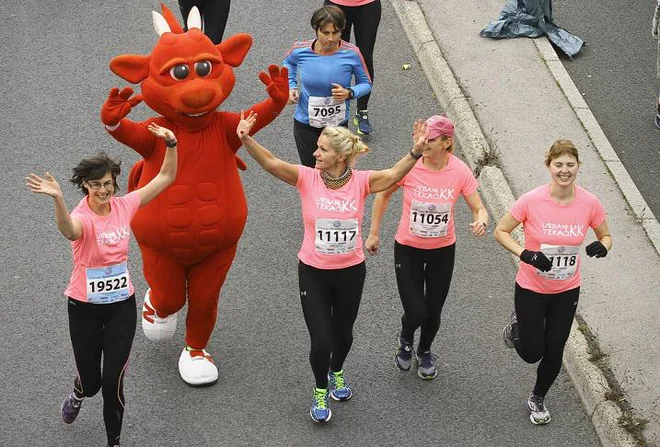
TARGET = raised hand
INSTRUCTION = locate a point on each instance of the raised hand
(118, 105)
(47, 185)
(277, 83)
(420, 137)
(245, 125)
(161, 132)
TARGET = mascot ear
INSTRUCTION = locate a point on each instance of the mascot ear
(131, 67)
(235, 48)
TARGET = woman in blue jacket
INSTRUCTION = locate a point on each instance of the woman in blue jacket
(320, 75)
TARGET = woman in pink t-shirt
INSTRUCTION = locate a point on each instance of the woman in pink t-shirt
(555, 218)
(331, 270)
(101, 300)
(425, 242)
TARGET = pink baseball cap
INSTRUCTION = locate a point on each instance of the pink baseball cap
(438, 125)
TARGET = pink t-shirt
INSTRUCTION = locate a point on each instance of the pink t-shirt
(100, 270)
(332, 219)
(427, 220)
(558, 231)
(352, 2)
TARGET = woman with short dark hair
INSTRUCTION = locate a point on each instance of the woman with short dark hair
(100, 294)
(325, 65)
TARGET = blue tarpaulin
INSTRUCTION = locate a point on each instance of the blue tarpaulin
(531, 18)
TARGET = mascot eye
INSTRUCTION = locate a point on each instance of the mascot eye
(179, 72)
(203, 68)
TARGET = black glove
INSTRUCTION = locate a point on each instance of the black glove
(596, 249)
(536, 259)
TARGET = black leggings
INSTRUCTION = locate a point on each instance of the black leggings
(306, 138)
(330, 301)
(544, 323)
(107, 330)
(214, 16)
(422, 306)
(364, 20)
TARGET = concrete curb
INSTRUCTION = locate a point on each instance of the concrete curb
(630, 192)
(587, 379)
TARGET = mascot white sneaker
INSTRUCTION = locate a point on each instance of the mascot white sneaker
(196, 367)
(154, 327)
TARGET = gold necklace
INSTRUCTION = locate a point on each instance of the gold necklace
(336, 182)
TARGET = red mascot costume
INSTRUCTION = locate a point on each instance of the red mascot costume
(189, 234)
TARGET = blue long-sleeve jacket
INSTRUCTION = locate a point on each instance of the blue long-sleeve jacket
(319, 71)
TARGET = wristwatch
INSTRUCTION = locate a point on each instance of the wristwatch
(416, 156)
(351, 93)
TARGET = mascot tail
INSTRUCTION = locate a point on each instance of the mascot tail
(134, 175)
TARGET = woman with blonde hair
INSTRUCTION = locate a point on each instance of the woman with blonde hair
(331, 269)
(555, 218)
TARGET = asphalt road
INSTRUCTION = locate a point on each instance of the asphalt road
(616, 72)
(55, 59)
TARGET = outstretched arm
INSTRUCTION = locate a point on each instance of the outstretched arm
(277, 86)
(284, 171)
(167, 172)
(382, 180)
(71, 229)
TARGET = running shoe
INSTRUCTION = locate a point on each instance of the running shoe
(404, 355)
(426, 369)
(539, 414)
(70, 408)
(361, 121)
(657, 121)
(320, 411)
(507, 332)
(339, 388)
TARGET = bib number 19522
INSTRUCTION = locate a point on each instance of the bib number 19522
(107, 284)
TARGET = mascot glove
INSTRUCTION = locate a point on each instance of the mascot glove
(277, 83)
(118, 105)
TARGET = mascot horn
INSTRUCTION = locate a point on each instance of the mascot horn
(189, 234)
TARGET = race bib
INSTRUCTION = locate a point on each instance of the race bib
(323, 111)
(564, 260)
(107, 284)
(429, 219)
(335, 237)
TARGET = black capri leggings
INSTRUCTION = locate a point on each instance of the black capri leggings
(364, 20)
(103, 330)
(544, 323)
(330, 301)
(423, 278)
(214, 16)
(306, 138)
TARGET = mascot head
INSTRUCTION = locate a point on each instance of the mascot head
(186, 76)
